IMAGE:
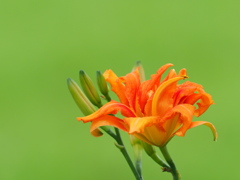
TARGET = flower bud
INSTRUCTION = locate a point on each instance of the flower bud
(137, 146)
(81, 100)
(84, 104)
(89, 89)
(138, 65)
(150, 150)
(137, 149)
(102, 84)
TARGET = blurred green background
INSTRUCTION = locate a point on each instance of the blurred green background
(42, 43)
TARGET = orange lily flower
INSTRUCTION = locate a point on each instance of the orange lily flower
(154, 110)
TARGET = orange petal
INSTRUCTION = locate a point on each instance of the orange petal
(144, 138)
(116, 84)
(147, 129)
(183, 72)
(184, 113)
(185, 91)
(163, 97)
(132, 81)
(210, 125)
(138, 110)
(151, 84)
(190, 93)
(203, 105)
(172, 74)
(106, 120)
(137, 124)
(110, 108)
(148, 108)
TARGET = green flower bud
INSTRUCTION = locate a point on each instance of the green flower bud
(102, 84)
(137, 149)
(138, 64)
(150, 150)
(89, 89)
(81, 100)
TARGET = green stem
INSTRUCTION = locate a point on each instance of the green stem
(108, 131)
(122, 148)
(159, 161)
(138, 165)
(175, 174)
(150, 150)
(126, 155)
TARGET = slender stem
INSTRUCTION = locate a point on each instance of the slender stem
(118, 134)
(138, 165)
(175, 174)
(109, 131)
(159, 161)
(150, 150)
(126, 155)
(122, 148)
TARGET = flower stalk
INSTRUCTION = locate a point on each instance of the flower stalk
(174, 172)
(137, 149)
(123, 150)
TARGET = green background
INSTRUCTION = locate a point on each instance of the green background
(42, 43)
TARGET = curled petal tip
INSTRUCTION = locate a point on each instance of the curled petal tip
(96, 133)
(184, 76)
(215, 136)
(208, 124)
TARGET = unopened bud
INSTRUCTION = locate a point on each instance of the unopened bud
(137, 146)
(102, 84)
(149, 149)
(138, 65)
(81, 100)
(89, 89)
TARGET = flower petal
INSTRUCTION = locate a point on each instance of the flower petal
(210, 125)
(110, 108)
(163, 97)
(184, 113)
(203, 105)
(150, 130)
(151, 84)
(147, 129)
(190, 93)
(132, 81)
(148, 108)
(106, 120)
(137, 124)
(172, 74)
(116, 84)
(182, 72)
